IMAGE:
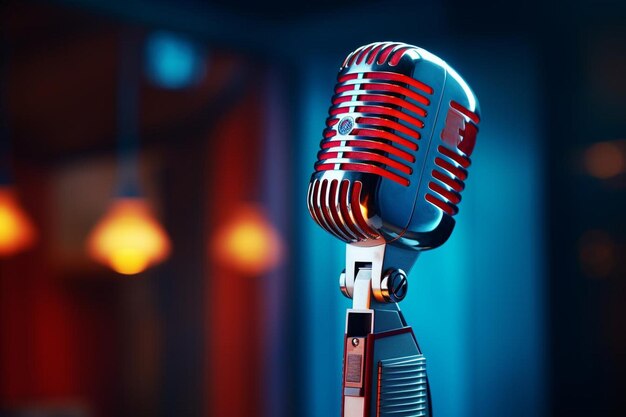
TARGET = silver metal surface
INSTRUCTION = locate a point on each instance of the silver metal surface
(342, 284)
(402, 388)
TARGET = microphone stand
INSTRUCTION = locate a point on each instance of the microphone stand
(384, 370)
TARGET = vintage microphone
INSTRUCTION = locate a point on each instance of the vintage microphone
(389, 176)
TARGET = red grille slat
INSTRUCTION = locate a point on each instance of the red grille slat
(398, 77)
(327, 205)
(354, 56)
(395, 89)
(397, 55)
(381, 87)
(343, 99)
(381, 107)
(470, 114)
(336, 145)
(309, 204)
(389, 77)
(344, 201)
(348, 77)
(385, 53)
(356, 209)
(331, 121)
(363, 53)
(450, 209)
(376, 133)
(461, 174)
(323, 203)
(450, 182)
(388, 123)
(365, 168)
(451, 196)
(315, 206)
(389, 112)
(342, 88)
(459, 159)
(374, 53)
(329, 133)
(339, 110)
(365, 156)
(333, 199)
(345, 62)
(319, 193)
(379, 98)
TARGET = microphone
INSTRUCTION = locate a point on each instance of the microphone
(392, 164)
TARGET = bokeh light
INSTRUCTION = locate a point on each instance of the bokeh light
(605, 160)
(128, 238)
(248, 242)
(597, 253)
(17, 232)
(173, 61)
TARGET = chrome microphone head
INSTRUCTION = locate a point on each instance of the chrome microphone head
(396, 148)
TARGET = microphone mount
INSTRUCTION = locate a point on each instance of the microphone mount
(376, 272)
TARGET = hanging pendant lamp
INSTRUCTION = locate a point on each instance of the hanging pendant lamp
(17, 232)
(128, 239)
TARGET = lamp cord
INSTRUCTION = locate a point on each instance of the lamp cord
(128, 113)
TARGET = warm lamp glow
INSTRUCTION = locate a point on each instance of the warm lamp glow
(605, 159)
(248, 242)
(16, 230)
(598, 253)
(128, 238)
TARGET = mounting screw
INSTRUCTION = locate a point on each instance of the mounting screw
(342, 284)
(394, 285)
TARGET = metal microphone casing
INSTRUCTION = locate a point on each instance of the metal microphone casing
(397, 144)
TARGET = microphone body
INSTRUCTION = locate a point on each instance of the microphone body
(388, 180)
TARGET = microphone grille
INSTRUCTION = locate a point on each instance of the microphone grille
(336, 206)
(374, 124)
(452, 159)
(379, 53)
(395, 150)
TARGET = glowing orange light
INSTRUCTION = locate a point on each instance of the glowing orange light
(597, 253)
(248, 242)
(16, 229)
(128, 238)
(605, 160)
(363, 210)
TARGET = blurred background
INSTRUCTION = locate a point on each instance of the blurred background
(156, 254)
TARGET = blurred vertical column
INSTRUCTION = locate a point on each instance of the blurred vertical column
(509, 282)
(318, 258)
(275, 195)
(233, 294)
(181, 283)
